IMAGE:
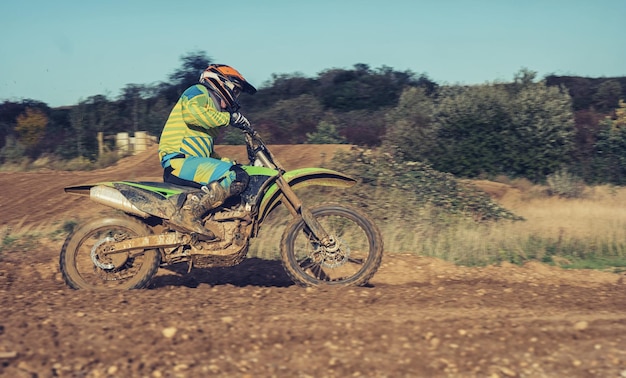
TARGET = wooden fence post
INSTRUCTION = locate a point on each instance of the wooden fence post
(100, 144)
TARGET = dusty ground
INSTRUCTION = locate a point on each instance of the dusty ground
(420, 317)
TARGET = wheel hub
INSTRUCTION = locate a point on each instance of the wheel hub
(333, 255)
(114, 261)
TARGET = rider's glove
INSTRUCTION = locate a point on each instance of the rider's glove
(239, 121)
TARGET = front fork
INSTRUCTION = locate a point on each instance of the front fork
(292, 202)
(297, 209)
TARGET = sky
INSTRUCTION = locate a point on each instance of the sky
(62, 52)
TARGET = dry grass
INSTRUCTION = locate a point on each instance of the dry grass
(556, 230)
(600, 214)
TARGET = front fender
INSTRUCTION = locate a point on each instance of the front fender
(302, 178)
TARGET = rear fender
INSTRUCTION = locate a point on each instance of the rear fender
(302, 178)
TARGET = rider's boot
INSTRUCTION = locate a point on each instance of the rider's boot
(189, 216)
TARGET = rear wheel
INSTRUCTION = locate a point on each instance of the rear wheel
(82, 268)
(351, 259)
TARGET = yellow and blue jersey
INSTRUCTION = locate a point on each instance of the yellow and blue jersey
(192, 125)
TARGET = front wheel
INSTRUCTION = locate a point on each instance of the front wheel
(83, 269)
(351, 259)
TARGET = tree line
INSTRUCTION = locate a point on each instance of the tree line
(524, 128)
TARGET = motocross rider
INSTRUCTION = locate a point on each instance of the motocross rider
(187, 140)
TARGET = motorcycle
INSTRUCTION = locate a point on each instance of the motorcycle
(328, 244)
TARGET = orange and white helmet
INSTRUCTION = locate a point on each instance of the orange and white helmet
(227, 83)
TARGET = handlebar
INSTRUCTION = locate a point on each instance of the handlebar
(257, 149)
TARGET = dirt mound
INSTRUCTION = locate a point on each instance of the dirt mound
(37, 199)
(419, 317)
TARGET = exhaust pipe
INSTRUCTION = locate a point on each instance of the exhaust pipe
(113, 198)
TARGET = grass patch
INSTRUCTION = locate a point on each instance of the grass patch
(571, 233)
(555, 239)
(53, 162)
(615, 264)
(433, 214)
(21, 239)
(18, 242)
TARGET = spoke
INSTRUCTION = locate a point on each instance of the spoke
(356, 261)
(315, 268)
(307, 263)
(319, 273)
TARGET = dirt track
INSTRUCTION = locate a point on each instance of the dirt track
(420, 317)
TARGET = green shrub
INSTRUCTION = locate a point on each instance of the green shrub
(392, 185)
(17, 242)
(79, 163)
(325, 133)
(564, 184)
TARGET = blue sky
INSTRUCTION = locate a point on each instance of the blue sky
(61, 52)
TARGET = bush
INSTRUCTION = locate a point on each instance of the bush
(325, 133)
(13, 152)
(564, 184)
(107, 159)
(390, 185)
(80, 163)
